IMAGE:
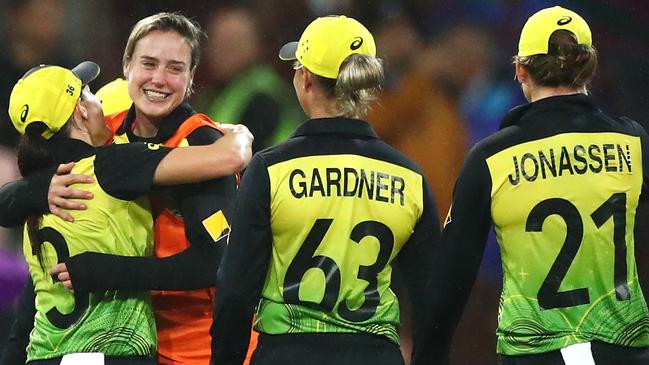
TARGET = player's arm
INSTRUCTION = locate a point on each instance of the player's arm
(456, 261)
(244, 268)
(49, 190)
(205, 209)
(416, 259)
(224, 157)
(644, 140)
(20, 198)
(15, 348)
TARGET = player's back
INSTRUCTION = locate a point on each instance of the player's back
(357, 202)
(116, 323)
(565, 184)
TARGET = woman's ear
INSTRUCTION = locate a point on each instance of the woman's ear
(83, 111)
(521, 74)
(125, 67)
(307, 78)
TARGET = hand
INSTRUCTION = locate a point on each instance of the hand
(60, 273)
(240, 139)
(59, 194)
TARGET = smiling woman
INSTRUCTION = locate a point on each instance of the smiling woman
(159, 63)
(160, 58)
(159, 74)
(190, 221)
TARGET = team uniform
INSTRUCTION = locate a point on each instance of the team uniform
(191, 230)
(318, 223)
(117, 323)
(561, 183)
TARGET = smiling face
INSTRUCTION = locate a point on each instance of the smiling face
(159, 74)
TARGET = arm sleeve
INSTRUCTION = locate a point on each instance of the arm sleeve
(205, 209)
(27, 196)
(644, 141)
(244, 269)
(15, 351)
(416, 259)
(125, 171)
(456, 262)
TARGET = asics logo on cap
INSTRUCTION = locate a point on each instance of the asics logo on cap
(356, 44)
(24, 112)
(564, 20)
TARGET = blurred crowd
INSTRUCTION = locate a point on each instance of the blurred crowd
(449, 81)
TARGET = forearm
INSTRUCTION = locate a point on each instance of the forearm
(190, 269)
(21, 198)
(227, 156)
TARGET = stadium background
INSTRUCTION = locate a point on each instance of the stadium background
(461, 49)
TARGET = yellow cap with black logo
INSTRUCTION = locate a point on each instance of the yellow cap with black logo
(540, 26)
(327, 42)
(114, 96)
(48, 94)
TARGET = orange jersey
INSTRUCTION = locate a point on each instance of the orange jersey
(183, 318)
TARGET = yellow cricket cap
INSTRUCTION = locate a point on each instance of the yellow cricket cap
(540, 26)
(114, 96)
(327, 42)
(48, 94)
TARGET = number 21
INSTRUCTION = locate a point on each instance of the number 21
(549, 296)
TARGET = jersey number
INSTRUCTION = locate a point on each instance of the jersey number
(615, 207)
(55, 317)
(304, 260)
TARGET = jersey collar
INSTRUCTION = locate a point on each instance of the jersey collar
(555, 103)
(66, 150)
(338, 125)
(168, 125)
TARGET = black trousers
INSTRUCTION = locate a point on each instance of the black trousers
(108, 360)
(603, 354)
(321, 349)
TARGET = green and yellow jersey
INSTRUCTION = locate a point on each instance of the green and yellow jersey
(561, 183)
(118, 221)
(318, 224)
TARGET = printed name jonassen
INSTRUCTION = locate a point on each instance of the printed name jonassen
(594, 158)
(347, 182)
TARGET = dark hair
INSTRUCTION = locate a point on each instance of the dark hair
(358, 84)
(566, 64)
(33, 155)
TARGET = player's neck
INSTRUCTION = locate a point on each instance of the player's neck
(545, 92)
(144, 127)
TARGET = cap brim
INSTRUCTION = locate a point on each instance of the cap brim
(287, 53)
(86, 71)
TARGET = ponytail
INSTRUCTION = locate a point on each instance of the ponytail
(358, 84)
(33, 155)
